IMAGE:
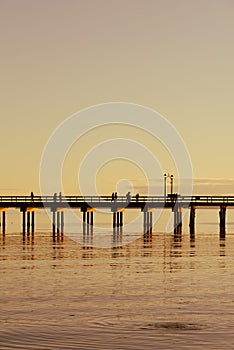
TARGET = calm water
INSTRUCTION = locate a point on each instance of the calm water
(156, 293)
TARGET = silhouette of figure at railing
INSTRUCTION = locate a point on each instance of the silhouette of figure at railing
(128, 197)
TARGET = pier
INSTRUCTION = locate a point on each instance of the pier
(89, 204)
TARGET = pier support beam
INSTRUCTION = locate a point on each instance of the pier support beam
(23, 221)
(3, 221)
(62, 221)
(192, 221)
(84, 221)
(28, 219)
(151, 221)
(144, 221)
(121, 219)
(88, 226)
(147, 228)
(53, 221)
(57, 221)
(177, 220)
(222, 221)
(147, 221)
(88, 220)
(117, 222)
(118, 219)
(114, 219)
(33, 221)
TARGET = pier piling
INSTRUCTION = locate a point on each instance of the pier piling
(53, 221)
(87, 220)
(62, 221)
(222, 222)
(151, 222)
(118, 219)
(147, 221)
(33, 221)
(121, 219)
(4, 221)
(177, 220)
(114, 219)
(23, 220)
(58, 222)
(28, 221)
(192, 221)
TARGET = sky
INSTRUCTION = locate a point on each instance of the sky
(173, 56)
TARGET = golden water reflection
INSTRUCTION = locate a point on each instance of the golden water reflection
(158, 287)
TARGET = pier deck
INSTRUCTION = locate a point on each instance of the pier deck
(88, 204)
(107, 202)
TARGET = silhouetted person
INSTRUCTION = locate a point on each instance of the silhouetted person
(60, 196)
(55, 197)
(113, 196)
(137, 197)
(116, 196)
(128, 197)
(32, 196)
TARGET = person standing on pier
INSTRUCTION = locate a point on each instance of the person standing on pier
(116, 196)
(112, 197)
(128, 197)
(32, 196)
(137, 197)
(55, 197)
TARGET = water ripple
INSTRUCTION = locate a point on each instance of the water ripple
(173, 326)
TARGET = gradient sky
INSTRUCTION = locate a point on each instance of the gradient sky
(175, 56)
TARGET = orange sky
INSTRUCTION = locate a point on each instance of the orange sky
(58, 57)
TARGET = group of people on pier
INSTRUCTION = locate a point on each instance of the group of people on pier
(114, 197)
(57, 196)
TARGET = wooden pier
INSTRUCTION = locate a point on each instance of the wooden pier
(89, 204)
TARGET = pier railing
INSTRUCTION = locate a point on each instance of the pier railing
(195, 200)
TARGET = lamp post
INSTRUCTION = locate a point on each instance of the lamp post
(171, 177)
(171, 185)
(165, 186)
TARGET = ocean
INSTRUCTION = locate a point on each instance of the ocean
(159, 291)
